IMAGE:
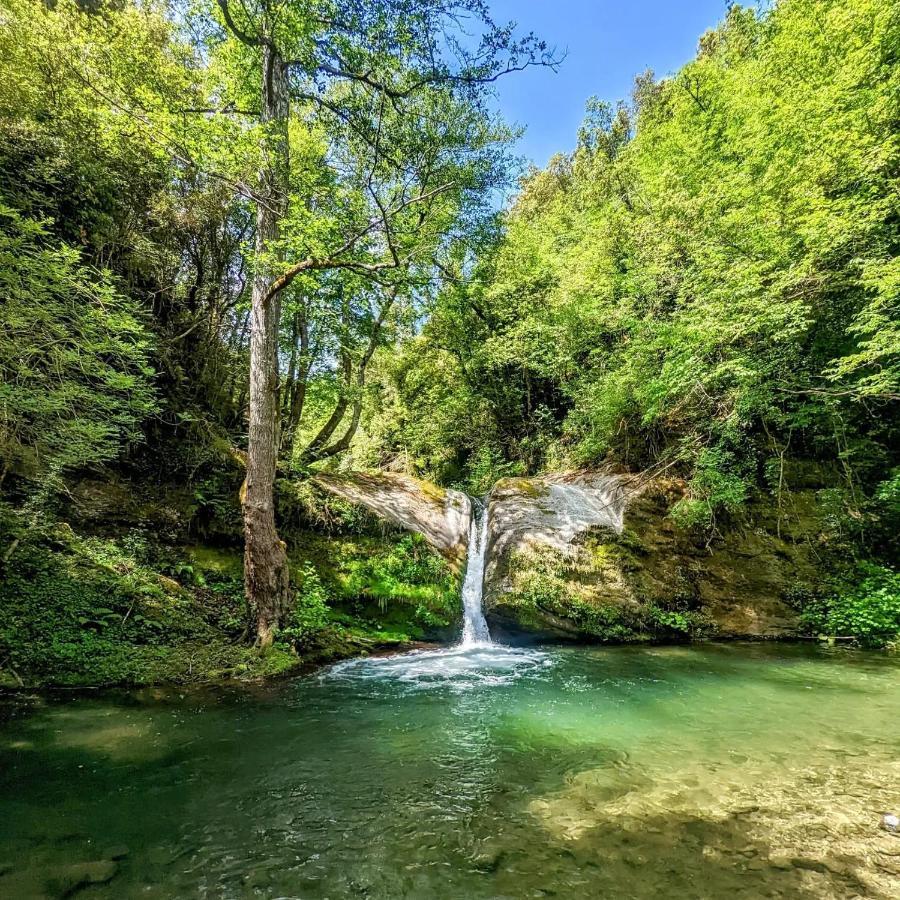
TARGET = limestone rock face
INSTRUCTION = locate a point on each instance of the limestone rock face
(554, 510)
(593, 557)
(441, 516)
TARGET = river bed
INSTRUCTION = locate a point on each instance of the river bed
(486, 772)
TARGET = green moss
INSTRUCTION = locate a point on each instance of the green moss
(432, 491)
(525, 487)
(78, 610)
(83, 610)
(548, 586)
(225, 562)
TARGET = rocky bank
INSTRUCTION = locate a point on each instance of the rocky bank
(597, 556)
(558, 570)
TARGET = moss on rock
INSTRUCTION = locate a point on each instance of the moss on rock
(656, 580)
(78, 608)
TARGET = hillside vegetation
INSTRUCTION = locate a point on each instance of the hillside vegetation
(707, 286)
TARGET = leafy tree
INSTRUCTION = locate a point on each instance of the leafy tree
(401, 98)
(75, 382)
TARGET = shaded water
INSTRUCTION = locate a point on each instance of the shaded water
(746, 771)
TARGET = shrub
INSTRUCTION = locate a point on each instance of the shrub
(867, 610)
(310, 613)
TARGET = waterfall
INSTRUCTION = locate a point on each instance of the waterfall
(475, 629)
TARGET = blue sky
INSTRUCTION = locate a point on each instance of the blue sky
(608, 43)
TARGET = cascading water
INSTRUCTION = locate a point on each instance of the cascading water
(475, 629)
(475, 662)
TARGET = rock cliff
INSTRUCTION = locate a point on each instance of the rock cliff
(596, 556)
(599, 557)
(441, 516)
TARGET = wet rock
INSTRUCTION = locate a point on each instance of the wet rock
(119, 851)
(808, 863)
(67, 880)
(441, 516)
(488, 861)
(553, 511)
(536, 527)
(598, 556)
(890, 823)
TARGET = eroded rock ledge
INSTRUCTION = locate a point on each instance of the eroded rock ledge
(597, 556)
(441, 516)
(564, 565)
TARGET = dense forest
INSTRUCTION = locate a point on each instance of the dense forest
(245, 243)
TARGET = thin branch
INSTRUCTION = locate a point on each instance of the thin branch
(245, 38)
(333, 261)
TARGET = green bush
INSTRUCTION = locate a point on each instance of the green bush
(673, 623)
(716, 486)
(867, 610)
(409, 572)
(310, 613)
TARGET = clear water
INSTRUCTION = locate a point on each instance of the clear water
(718, 771)
(475, 629)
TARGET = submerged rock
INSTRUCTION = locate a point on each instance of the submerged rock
(68, 880)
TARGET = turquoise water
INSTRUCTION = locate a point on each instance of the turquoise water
(713, 771)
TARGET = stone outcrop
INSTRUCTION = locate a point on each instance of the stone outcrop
(597, 556)
(441, 516)
(563, 565)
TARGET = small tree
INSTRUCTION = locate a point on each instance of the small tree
(75, 382)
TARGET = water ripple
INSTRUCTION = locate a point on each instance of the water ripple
(459, 668)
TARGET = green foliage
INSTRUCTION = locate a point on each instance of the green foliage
(405, 574)
(866, 608)
(75, 381)
(485, 468)
(709, 279)
(715, 486)
(310, 613)
(708, 283)
(302, 504)
(674, 624)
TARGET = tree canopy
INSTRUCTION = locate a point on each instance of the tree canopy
(708, 280)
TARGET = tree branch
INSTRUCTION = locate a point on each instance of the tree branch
(333, 261)
(245, 38)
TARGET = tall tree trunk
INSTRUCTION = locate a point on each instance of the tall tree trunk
(266, 575)
(298, 387)
(288, 390)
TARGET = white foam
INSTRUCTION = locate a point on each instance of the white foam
(459, 668)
